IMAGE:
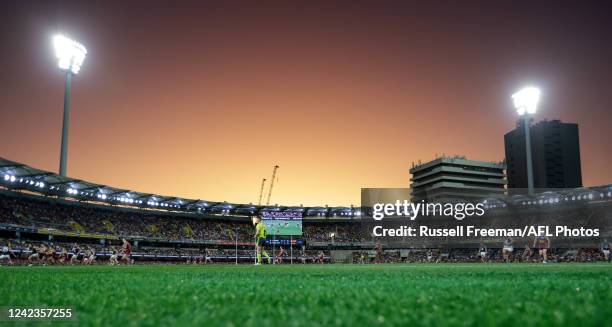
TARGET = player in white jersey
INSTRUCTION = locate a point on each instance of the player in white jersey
(90, 256)
(507, 250)
(207, 257)
(5, 255)
(113, 259)
(34, 256)
(605, 248)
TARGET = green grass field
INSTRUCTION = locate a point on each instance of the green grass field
(340, 295)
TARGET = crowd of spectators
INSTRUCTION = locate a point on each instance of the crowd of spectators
(167, 227)
(86, 219)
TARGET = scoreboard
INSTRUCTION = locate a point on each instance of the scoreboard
(285, 223)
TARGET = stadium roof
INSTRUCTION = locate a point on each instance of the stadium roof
(21, 177)
(18, 176)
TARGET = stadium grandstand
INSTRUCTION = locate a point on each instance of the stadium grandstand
(42, 211)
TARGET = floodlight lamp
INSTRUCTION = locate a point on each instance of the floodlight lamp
(526, 100)
(70, 54)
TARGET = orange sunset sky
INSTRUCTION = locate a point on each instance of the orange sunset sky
(202, 99)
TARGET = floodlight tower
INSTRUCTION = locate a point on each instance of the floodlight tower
(70, 55)
(526, 103)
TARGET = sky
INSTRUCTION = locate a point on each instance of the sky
(201, 99)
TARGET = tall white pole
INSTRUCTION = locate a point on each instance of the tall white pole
(70, 55)
(236, 238)
(526, 103)
(528, 155)
(66, 124)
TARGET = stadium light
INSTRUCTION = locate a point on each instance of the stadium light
(70, 55)
(526, 100)
(526, 103)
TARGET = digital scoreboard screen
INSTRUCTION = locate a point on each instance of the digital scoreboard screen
(286, 223)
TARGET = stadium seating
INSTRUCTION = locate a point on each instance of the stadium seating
(164, 234)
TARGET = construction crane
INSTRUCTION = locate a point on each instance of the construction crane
(271, 184)
(263, 183)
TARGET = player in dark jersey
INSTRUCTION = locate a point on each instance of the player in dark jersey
(379, 253)
(321, 257)
(527, 253)
(127, 252)
(542, 243)
(42, 253)
(303, 256)
(76, 251)
(430, 255)
(50, 254)
(605, 248)
(281, 254)
(63, 256)
(482, 253)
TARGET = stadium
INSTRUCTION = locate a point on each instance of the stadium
(172, 112)
(61, 228)
(40, 206)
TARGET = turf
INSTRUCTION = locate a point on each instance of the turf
(340, 295)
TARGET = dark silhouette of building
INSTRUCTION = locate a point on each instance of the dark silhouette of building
(449, 178)
(555, 151)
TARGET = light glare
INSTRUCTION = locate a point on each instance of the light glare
(526, 100)
(70, 54)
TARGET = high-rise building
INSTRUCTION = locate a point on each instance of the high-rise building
(555, 150)
(448, 178)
